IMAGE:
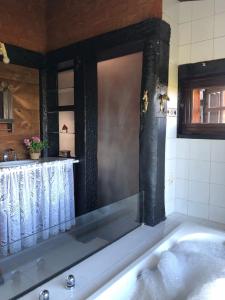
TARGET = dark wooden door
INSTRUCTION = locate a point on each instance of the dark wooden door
(119, 88)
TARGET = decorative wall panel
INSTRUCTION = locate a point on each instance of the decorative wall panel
(24, 86)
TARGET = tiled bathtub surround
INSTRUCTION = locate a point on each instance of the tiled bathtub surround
(201, 30)
(195, 169)
(200, 179)
(200, 171)
(170, 13)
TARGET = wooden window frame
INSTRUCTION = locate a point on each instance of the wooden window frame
(192, 76)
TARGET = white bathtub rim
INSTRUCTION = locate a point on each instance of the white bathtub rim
(182, 232)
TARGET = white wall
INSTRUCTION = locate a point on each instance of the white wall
(201, 30)
(200, 170)
(170, 13)
(199, 164)
(200, 179)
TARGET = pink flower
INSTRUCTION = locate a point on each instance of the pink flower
(36, 139)
(27, 142)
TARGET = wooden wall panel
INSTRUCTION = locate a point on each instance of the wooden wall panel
(23, 23)
(24, 86)
(70, 21)
(42, 25)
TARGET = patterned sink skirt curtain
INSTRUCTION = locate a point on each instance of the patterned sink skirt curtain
(36, 202)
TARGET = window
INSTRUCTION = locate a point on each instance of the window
(66, 116)
(61, 115)
(208, 105)
(201, 104)
(66, 88)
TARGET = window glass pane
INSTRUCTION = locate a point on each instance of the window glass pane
(223, 98)
(214, 99)
(66, 88)
(65, 79)
(208, 105)
(213, 117)
(223, 116)
(66, 132)
(66, 97)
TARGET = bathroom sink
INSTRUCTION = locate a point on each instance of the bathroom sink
(16, 163)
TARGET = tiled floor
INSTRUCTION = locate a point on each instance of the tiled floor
(102, 266)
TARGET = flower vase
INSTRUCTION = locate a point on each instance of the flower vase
(35, 155)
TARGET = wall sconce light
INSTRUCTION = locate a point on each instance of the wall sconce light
(145, 101)
(3, 52)
(163, 98)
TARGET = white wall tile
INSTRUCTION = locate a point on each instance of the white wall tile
(217, 195)
(170, 15)
(199, 170)
(198, 192)
(181, 189)
(169, 207)
(202, 9)
(184, 54)
(171, 128)
(217, 214)
(200, 164)
(202, 51)
(170, 8)
(169, 197)
(181, 206)
(219, 48)
(218, 151)
(172, 90)
(185, 12)
(173, 78)
(170, 169)
(185, 33)
(171, 148)
(182, 168)
(198, 210)
(167, 19)
(202, 30)
(219, 6)
(219, 27)
(217, 173)
(200, 150)
(183, 148)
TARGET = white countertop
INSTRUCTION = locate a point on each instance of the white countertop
(25, 162)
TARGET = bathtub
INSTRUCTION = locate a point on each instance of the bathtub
(122, 285)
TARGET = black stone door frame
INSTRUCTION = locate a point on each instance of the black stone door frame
(152, 37)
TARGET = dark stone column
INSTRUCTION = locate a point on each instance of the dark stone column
(86, 137)
(153, 131)
(52, 112)
(43, 107)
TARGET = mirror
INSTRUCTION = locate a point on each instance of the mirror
(6, 114)
(19, 107)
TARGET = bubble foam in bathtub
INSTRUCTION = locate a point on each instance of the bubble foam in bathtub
(201, 247)
(210, 291)
(171, 269)
(190, 270)
(149, 286)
